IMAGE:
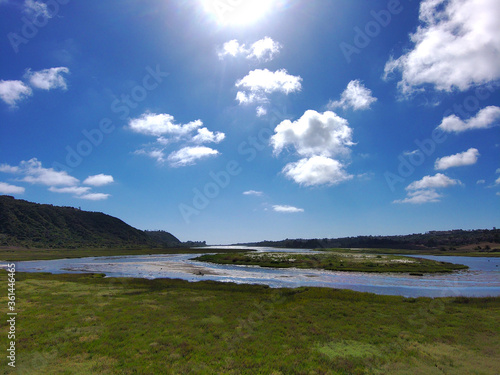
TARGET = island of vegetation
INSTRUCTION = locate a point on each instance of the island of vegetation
(336, 260)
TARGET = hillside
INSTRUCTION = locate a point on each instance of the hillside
(23, 223)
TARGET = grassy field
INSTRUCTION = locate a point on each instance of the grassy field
(338, 260)
(87, 324)
(16, 254)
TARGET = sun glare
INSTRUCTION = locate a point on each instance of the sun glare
(237, 12)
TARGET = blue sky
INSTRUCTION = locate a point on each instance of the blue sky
(232, 121)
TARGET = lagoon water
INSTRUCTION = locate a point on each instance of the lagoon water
(482, 279)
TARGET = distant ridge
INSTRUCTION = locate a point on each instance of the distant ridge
(24, 223)
(418, 241)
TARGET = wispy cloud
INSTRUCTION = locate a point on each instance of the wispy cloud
(6, 188)
(287, 209)
(60, 182)
(190, 155)
(253, 192)
(48, 79)
(12, 92)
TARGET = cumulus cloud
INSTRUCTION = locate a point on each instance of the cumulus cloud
(259, 83)
(60, 182)
(263, 50)
(261, 111)
(457, 46)
(169, 132)
(314, 133)
(355, 96)
(253, 192)
(232, 48)
(12, 92)
(162, 124)
(190, 155)
(424, 190)
(484, 119)
(98, 180)
(206, 136)
(48, 79)
(432, 182)
(6, 188)
(468, 157)
(317, 170)
(287, 209)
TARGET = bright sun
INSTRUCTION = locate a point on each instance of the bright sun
(237, 12)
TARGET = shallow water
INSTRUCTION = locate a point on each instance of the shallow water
(482, 278)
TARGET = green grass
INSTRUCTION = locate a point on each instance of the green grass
(87, 324)
(336, 261)
(16, 254)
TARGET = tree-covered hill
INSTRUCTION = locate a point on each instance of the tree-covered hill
(23, 223)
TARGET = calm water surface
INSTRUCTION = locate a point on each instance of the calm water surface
(482, 278)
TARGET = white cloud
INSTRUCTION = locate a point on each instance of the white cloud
(468, 157)
(190, 155)
(484, 119)
(13, 91)
(317, 170)
(94, 196)
(162, 124)
(232, 48)
(287, 209)
(10, 189)
(421, 196)
(481, 182)
(253, 192)
(424, 190)
(168, 132)
(497, 181)
(48, 79)
(355, 96)
(58, 181)
(314, 133)
(206, 136)
(36, 8)
(259, 83)
(264, 49)
(99, 180)
(457, 45)
(34, 173)
(261, 111)
(77, 190)
(432, 182)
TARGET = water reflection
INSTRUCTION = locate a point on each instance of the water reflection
(482, 279)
